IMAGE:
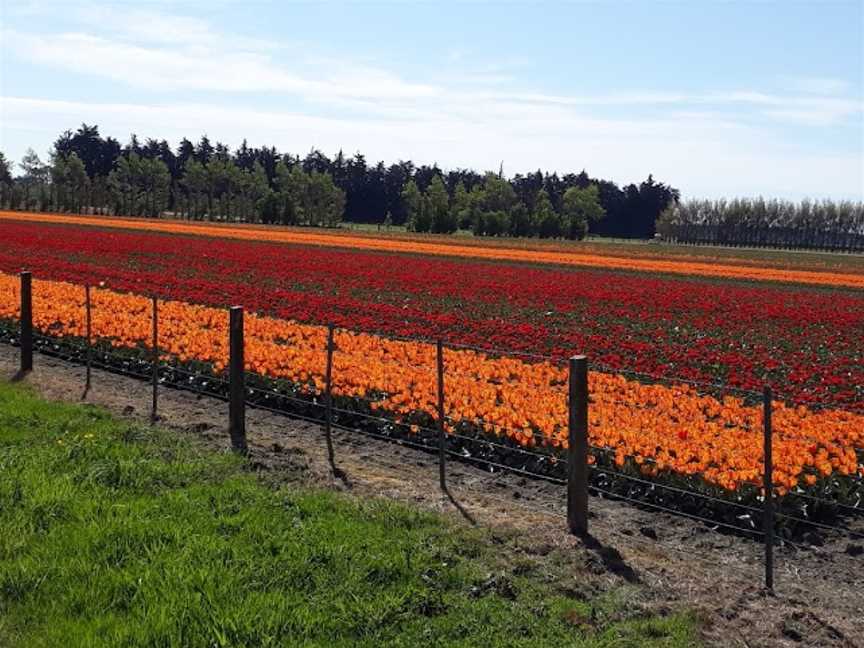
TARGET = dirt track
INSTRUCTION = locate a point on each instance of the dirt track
(674, 562)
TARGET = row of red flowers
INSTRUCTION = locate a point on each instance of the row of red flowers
(806, 341)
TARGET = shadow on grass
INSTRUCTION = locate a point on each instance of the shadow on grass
(611, 558)
(462, 510)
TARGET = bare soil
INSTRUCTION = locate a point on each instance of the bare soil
(670, 561)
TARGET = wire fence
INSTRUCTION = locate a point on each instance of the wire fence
(432, 424)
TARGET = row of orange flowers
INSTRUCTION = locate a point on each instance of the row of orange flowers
(477, 252)
(662, 428)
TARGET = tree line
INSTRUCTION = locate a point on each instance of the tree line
(825, 224)
(492, 208)
(207, 181)
(86, 173)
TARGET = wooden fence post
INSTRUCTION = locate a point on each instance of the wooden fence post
(768, 485)
(442, 435)
(154, 378)
(237, 382)
(26, 322)
(89, 324)
(577, 455)
(328, 400)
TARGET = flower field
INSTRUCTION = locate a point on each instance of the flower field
(805, 341)
(472, 249)
(522, 321)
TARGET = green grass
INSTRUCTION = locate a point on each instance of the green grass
(397, 229)
(117, 535)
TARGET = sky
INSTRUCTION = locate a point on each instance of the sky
(719, 99)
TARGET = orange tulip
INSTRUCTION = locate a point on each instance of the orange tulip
(662, 428)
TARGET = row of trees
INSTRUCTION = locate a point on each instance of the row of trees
(208, 181)
(493, 208)
(143, 186)
(294, 197)
(822, 224)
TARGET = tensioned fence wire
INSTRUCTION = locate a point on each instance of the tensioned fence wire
(201, 383)
(560, 360)
(75, 350)
(429, 445)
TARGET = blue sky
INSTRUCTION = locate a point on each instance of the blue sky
(719, 99)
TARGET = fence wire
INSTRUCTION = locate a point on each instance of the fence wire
(414, 433)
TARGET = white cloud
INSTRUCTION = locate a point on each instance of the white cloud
(686, 149)
(708, 143)
(149, 26)
(199, 67)
(153, 50)
(817, 85)
(806, 109)
(814, 110)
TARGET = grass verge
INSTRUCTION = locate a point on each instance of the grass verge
(114, 534)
